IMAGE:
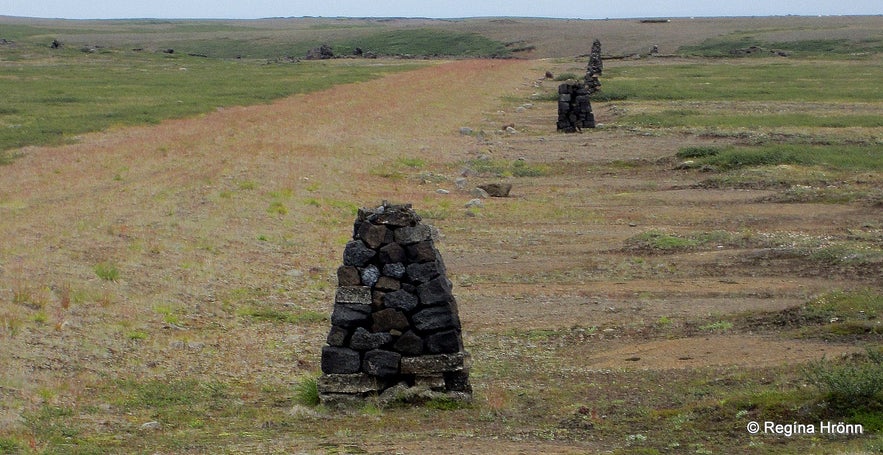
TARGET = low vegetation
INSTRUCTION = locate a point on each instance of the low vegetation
(748, 44)
(52, 101)
(176, 302)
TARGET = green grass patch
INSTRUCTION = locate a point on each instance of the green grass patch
(865, 305)
(699, 119)
(791, 81)
(50, 101)
(306, 392)
(137, 335)
(718, 326)
(565, 77)
(730, 45)
(700, 151)
(107, 271)
(844, 316)
(425, 42)
(182, 403)
(413, 163)
(506, 168)
(656, 240)
(399, 168)
(831, 157)
(277, 208)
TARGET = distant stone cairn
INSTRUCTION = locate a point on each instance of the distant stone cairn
(574, 105)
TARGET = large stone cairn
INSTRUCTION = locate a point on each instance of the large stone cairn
(395, 328)
(574, 106)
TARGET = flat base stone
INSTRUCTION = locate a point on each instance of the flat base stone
(349, 383)
(428, 365)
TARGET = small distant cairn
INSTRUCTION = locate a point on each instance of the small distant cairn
(395, 329)
(595, 68)
(574, 106)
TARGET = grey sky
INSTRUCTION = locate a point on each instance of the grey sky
(241, 9)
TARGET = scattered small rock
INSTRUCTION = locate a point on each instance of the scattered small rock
(497, 189)
(461, 183)
(474, 203)
(442, 191)
(151, 426)
(479, 193)
(466, 131)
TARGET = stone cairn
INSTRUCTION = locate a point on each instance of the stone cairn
(574, 107)
(395, 328)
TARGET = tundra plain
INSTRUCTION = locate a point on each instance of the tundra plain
(709, 256)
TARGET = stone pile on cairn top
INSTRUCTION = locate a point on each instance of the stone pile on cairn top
(395, 329)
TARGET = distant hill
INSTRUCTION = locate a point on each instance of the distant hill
(470, 37)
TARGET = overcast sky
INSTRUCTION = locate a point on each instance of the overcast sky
(583, 9)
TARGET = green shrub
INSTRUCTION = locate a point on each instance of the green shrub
(656, 240)
(107, 271)
(520, 168)
(699, 151)
(849, 384)
(306, 392)
(565, 77)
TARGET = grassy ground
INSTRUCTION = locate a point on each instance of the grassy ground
(59, 95)
(838, 37)
(650, 287)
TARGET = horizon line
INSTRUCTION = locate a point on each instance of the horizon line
(432, 18)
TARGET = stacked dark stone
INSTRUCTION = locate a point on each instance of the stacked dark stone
(574, 107)
(395, 321)
(594, 68)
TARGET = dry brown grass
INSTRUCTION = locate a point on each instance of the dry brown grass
(184, 211)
